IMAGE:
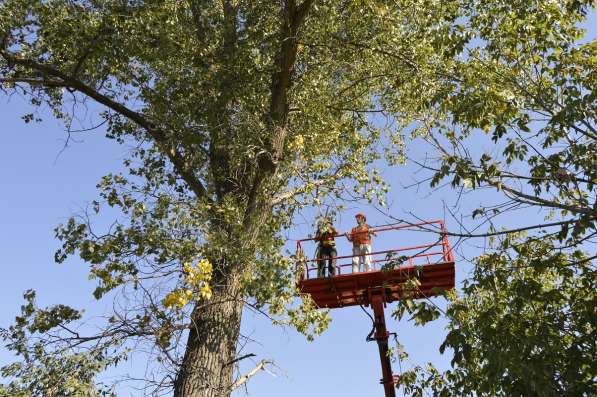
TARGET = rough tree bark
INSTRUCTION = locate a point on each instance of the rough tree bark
(211, 346)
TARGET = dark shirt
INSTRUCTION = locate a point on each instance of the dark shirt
(326, 237)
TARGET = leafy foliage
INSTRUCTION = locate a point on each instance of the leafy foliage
(524, 325)
(51, 367)
(514, 113)
(240, 114)
(526, 81)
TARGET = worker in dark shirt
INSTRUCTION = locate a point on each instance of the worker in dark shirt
(326, 249)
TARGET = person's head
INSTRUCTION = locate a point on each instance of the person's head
(325, 223)
(360, 218)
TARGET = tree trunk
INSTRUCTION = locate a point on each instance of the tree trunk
(207, 366)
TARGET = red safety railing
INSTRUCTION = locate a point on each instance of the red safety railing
(417, 255)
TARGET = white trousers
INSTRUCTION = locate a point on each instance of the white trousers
(358, 262)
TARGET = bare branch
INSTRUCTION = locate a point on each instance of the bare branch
(259, 367)
(239, 359)
(547, 203)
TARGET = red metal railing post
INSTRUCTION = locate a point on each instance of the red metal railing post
(301, 259)
(381, 336)
(444, 240)
(448, 256)
(297, 264)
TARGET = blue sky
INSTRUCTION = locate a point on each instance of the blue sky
(42, 184)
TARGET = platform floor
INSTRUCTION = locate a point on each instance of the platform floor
(354, 289)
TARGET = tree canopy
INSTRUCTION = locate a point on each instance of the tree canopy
(240, 114)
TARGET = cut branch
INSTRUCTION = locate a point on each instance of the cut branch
(243, 379)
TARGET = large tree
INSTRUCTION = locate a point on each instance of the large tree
(239, 114)
(242, 113)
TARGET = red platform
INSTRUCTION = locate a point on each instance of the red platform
(432, 264)
(356, 288)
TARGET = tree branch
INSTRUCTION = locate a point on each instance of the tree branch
(157, 134)
(547, 203)
(239, 359)
(503, 232)
(290, 193)
(472, 235)
(33, 81)
(240, 381)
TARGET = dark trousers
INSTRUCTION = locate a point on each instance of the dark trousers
(328, 254)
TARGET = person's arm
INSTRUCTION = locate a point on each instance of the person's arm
(348, 236)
